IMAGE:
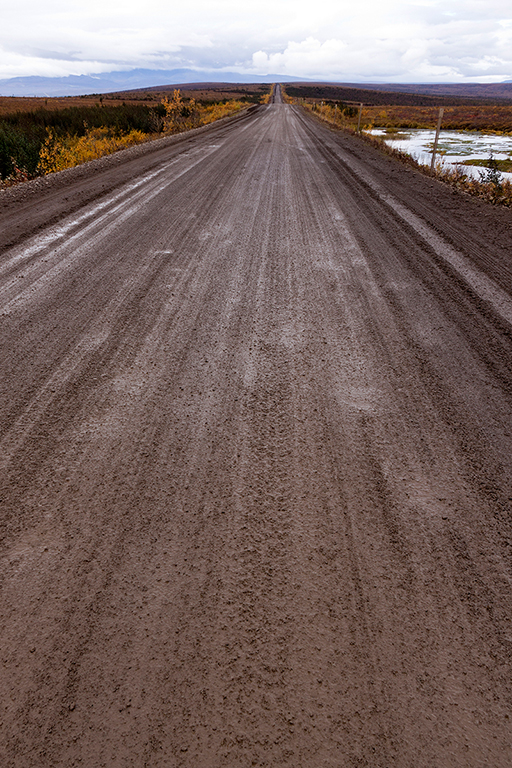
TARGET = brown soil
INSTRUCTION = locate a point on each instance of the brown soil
(256, 453)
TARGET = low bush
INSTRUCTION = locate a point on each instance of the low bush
(44, 141)
(56, 154)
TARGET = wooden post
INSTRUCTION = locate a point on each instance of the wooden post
(441, 113)
(360, 115)
(335, 112)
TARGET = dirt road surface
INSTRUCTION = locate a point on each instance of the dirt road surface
(256, 454)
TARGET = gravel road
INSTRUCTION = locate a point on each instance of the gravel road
(256, 459)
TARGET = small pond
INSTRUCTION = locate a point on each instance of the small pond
(454, 147)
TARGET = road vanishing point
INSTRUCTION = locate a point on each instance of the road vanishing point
(256, 454)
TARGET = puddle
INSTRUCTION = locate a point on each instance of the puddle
(454, 148)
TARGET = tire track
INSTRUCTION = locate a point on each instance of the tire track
(256, 465)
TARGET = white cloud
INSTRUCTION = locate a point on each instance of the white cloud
(343, 40)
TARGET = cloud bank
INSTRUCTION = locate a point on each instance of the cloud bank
(396, 41)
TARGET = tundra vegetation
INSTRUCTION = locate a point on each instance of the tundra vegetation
(60, 133)
(471, 116)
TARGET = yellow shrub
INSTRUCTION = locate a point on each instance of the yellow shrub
(58, 154)
(180, 115)
(216, 111)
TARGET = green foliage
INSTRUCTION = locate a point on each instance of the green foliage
(18, 149)
(505, 166)
(23, 134)
(492, 173)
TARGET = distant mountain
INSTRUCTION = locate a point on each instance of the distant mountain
(78, 85)
(136, 79)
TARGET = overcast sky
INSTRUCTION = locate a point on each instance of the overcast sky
(346, 40)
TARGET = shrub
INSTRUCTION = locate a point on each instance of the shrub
(59, 153)
(18, 149)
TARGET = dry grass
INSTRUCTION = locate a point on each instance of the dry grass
(209, 92)
(11, 104)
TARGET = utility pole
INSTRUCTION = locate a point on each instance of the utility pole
(441, 113)
(360, 115)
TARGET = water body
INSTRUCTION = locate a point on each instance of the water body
(454, 148)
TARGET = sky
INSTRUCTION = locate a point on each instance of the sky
(344, 40)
